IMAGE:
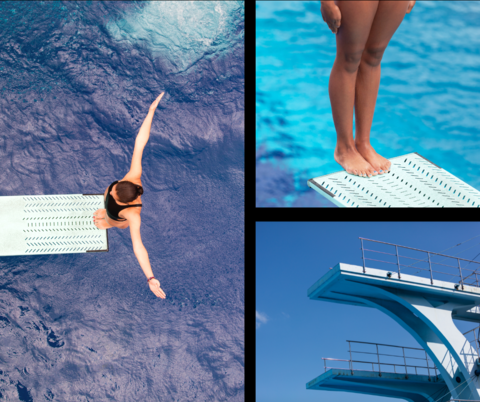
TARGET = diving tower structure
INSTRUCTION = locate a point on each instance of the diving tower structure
(424, 299)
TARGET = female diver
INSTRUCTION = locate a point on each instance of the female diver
(363, 30)
(123, 202)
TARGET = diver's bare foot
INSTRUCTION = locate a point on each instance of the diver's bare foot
(353, 162)
(99, 214)
(379, 163)
(99, 219)
(102, 224)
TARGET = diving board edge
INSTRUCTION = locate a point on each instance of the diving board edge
(425, 159)
(98, 251)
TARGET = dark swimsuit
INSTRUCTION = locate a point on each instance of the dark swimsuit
(113, 208)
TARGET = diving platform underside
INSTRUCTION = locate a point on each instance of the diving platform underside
(415, 388)
(342, 284)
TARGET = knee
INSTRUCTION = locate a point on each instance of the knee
(372, 56)
(350, 61)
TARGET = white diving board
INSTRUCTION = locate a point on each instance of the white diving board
(413, 181)
(51, 224)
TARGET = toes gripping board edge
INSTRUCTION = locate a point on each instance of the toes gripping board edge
(413, 181)
(50, 224)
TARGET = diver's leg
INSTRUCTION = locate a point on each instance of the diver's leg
(357, 18)
(388, 18)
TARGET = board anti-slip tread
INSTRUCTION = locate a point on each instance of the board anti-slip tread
(50, 224)
(413, 181)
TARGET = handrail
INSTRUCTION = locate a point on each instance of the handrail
(416, 249)
(373, 363)
(461, 271)
(411, 258)
(476, 338)
(383, 344)
(353, 359)
(465, 333)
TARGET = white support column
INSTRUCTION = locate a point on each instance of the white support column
(431, 324)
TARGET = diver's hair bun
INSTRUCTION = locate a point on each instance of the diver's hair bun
(128, 191)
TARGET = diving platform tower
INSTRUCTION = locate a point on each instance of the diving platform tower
(424, 301)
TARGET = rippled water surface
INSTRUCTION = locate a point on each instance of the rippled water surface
(428, 100)
(77, 79)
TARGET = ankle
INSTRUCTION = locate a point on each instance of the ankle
(344, 148)
(362, 144)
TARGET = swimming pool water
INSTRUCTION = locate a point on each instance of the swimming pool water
(428, 100)
(77, 79)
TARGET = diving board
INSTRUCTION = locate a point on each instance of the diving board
(413, 181)
(425, 307)
(411, 387)
(50, 224)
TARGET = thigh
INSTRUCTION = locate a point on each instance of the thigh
(388, 18)
(357, 19)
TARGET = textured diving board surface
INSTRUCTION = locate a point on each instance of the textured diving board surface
(413, 181)
(50, 224)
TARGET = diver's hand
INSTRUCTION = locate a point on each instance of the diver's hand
(156, 102)
(410, 6)
(155, 288)
(331, 15)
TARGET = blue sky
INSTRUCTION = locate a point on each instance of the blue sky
(293, 333)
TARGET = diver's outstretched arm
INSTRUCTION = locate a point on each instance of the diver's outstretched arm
(144, 261)
(144, 133)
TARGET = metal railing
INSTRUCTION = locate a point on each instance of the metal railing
(380, 362)
(475, 343)
(466, 276)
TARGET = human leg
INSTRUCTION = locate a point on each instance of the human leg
(387, 19)
(357, 18)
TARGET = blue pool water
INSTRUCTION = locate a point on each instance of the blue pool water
(77, 79)
(428, 100)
